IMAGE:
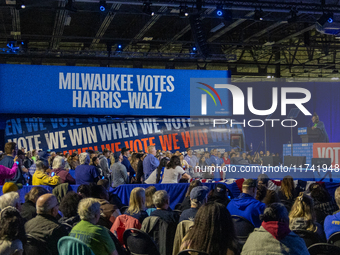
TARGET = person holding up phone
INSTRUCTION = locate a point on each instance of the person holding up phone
(8, 173)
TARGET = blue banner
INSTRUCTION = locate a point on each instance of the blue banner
(33, 89)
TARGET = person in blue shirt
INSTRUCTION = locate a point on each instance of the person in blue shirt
(126, 153)
(246, 205)
(317, 124)
(332, 222)
(150, 163)
(214, 160)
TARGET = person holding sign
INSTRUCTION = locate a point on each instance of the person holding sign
(317, 124)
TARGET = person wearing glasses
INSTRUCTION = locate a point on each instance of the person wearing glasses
(45, 227)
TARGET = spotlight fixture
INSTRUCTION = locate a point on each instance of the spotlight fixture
(20, 5)
(183, 11)
(193, 50)
(119, 48)
(147, 9)
(325, 17)
(258, 15)
(102, 5)
(219, 11)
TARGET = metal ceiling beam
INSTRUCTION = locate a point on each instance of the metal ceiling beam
(16, 31)
(147, 26)
(266, 30)
(105, 24)
(295, 34)
(59, 24)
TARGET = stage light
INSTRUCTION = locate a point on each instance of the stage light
(219, 13)
(193, 50)
(20, 5)
(119, 48)
(258, 15)
(325, 17)
(147, 9)
(183, 11)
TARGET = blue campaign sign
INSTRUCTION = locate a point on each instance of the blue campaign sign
(302, 131)
(97, 90)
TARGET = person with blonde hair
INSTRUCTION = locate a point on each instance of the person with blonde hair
(97, 238)
(302, 216)
(58, 168)
(136, 207)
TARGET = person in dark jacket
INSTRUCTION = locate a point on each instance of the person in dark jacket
(45, 226)
(246, 205)
(219, 194)
(198, 197)
(69, 209)
(28, 209)
(186, 202)
(161, 201)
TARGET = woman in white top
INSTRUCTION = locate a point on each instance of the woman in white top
(173, 172)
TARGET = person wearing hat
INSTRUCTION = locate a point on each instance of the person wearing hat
(126, 153)
(119, 173)
(320, 126)
(246, 205)
(11, 186)
(220, 195)
(198, 197)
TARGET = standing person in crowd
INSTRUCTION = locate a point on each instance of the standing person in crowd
(97, 238)
(22, 170)
(51, 158)
(73, 161)
(156, 176)
(287, 193)
(226, 159)
(40, 176)
(28, 209)
(173, 171)
(140, 172)
(28, 160)
(274, 235)
(12, 232)
(149, 192)
(45, 226)
(162, 202)
(8, 173)
(332, 222)
(95, 162)
(184, 163)
(213, 231)
(150, 162)
(214, 160)
(119, 174)
(190, 159)
(85, 173)
(246, 205)
(34, 155)
(58, 168)
(131, 172)
(134, 161)
(302, 216)
(104, 163)
(136, 207)
(11, 151)
(198, 197)
(186, 204)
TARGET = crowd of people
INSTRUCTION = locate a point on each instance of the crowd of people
(212, 221)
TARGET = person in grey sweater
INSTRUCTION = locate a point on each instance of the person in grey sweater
(119, 173)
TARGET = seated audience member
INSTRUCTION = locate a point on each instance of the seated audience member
(213, 231)
(97, 238)
(28, 209)
(324, 204)
(157, 174)
(69, 209)
(332, 222)
(261, 193)
(84, 190)
(8, 173)
(173, 171)
(119, 173)
(40, 176)
(105, 183)
(271, 195)
(85, 173)
(12, 232)
(219, 194)
(274, 235)
(11, 186)
(246, 205)
(149, 191)
(302, 216)
(58, 168)
(45, 226)
(198, 197)
(136, 207)
(162, 203)
(73, 161)
(287, 193)
(10, 199)
(186, 202)
(95, 162)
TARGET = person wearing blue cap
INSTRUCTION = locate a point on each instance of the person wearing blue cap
(198, 197)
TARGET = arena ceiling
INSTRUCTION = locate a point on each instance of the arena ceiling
(252, 38)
